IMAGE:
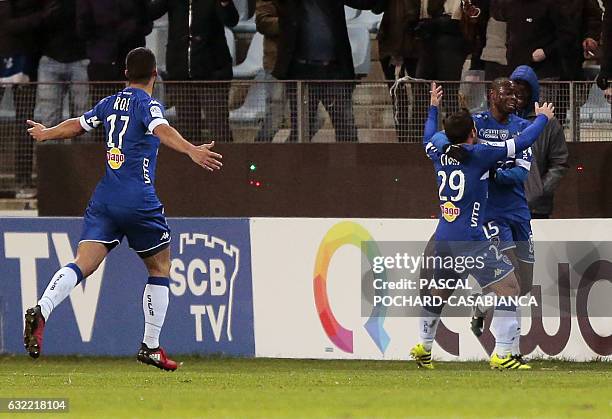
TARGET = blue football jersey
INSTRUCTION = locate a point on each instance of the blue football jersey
(462, 188)
(506, 201)
(129, 118)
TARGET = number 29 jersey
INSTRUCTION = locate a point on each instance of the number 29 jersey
(463, 187)
(129, 118)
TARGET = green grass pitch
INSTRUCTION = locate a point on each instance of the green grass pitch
(221, 387)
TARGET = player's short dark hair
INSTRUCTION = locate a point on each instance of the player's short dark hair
(500, 83)
(140, 65)
(458, 126)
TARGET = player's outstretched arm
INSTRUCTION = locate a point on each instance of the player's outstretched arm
(532, 132)
(201, 155)
(70, 128)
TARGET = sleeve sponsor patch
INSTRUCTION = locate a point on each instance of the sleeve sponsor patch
(156, 112)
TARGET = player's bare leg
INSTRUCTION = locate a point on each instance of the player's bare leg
(154, 306)
(89, 256)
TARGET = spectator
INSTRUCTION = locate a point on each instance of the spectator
(443, 50)
(538, 33)
(605, 75)
(266, 19)
(314, 45)
(20, 22)
(585, 19)
(63, 60)
(111, 29)
(197, 51)
(398, 53)
(489, 53)
(549, 151)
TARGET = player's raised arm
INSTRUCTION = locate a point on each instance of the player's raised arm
(202, 154)
(431, 125)
(533, 131)
(70, 128)
(495, 151)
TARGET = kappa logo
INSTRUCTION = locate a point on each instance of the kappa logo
(497, 272)
(165, 236)
(93, 121)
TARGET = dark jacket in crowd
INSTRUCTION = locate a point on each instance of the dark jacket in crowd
(112, 28)
(20, 22)
(199, 51)
(606, 60)
(396, 37)
(60, 40)
(531, 25)
(550, 153)
(585, 19)
(289, 22)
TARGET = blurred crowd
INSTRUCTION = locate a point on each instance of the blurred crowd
(83, 41)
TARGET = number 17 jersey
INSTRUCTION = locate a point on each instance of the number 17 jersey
(129, 118)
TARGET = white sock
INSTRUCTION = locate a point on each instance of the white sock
(154, 306)
(59, 288)
(428, 324)
(516, 344)
(503, 326)
(485, 308)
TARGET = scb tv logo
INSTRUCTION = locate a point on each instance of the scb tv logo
(204, 272)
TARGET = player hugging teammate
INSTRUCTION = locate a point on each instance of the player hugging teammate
(124, 203)
(466, 168)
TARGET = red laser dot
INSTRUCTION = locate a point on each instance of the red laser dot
(258, 184)
(580, 168)
(251, 182)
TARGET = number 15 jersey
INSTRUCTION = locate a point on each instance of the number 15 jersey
(129, 118)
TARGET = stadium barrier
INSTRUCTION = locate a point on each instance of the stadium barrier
(306, 180)
(264, 111)
(271, 287)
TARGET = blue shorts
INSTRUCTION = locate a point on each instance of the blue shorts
(512, 234)
(490, 266)
(146, 229)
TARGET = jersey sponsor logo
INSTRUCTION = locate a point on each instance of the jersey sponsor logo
(145, 170)
(493, 134)
(475, 215)
(156, 112)
(449, 211)
(115, 158)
